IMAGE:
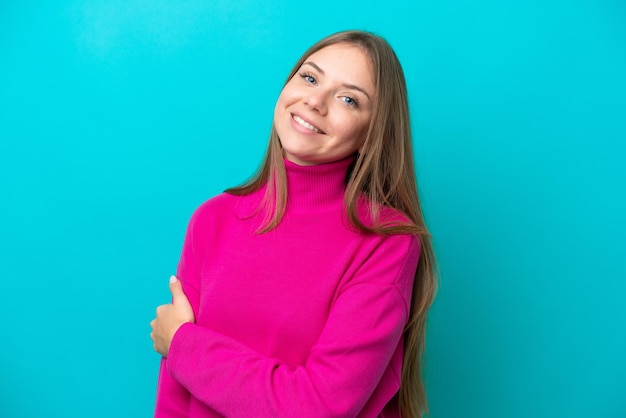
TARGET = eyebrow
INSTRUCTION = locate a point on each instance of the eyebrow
(349, 86)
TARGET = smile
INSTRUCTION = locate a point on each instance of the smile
(306, 124)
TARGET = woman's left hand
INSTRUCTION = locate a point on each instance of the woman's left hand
(170, 317)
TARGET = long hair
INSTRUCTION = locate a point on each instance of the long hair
(384, 173)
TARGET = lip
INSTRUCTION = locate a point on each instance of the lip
(302, 129)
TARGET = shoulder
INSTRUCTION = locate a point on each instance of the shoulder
(217, 204)
(395, 252)
(391, 251)
(225, 205)
(374, 215)
(224, 209)
(386, 262)
(215, 207)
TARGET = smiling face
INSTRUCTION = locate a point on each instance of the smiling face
(323, 112)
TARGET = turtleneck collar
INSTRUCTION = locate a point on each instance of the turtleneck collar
(316, 187)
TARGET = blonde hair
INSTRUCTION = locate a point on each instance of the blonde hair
(384, 173)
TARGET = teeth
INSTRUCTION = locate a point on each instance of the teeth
(306, 124)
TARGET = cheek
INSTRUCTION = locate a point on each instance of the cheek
(360, 132)
(287, 94)
(279, 108)
(356, 130)
(279, 102)
(284, 95)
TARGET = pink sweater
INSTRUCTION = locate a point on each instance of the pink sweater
(303, 321)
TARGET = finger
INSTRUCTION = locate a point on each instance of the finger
(178, 296)
(180, 303)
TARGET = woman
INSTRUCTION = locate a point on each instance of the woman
(304, 292)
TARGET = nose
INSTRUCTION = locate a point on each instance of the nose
(317, 101)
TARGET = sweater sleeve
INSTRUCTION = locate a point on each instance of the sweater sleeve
(172, 399)
(363, 330)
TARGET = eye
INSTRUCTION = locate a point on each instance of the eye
(308, 78)
(350, 101)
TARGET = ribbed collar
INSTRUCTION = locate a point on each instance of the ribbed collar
(316, 187)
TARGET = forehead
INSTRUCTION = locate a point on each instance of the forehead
(345, 62)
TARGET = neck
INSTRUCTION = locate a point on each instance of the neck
(316, 187)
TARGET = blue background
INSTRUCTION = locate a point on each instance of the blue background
(118, 118)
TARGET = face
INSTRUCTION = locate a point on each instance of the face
(323, 112)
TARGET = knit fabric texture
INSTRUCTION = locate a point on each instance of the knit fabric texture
(305, 320)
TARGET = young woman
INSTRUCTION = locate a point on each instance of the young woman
(304, 292)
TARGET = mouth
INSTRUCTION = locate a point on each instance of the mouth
(306, 124)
